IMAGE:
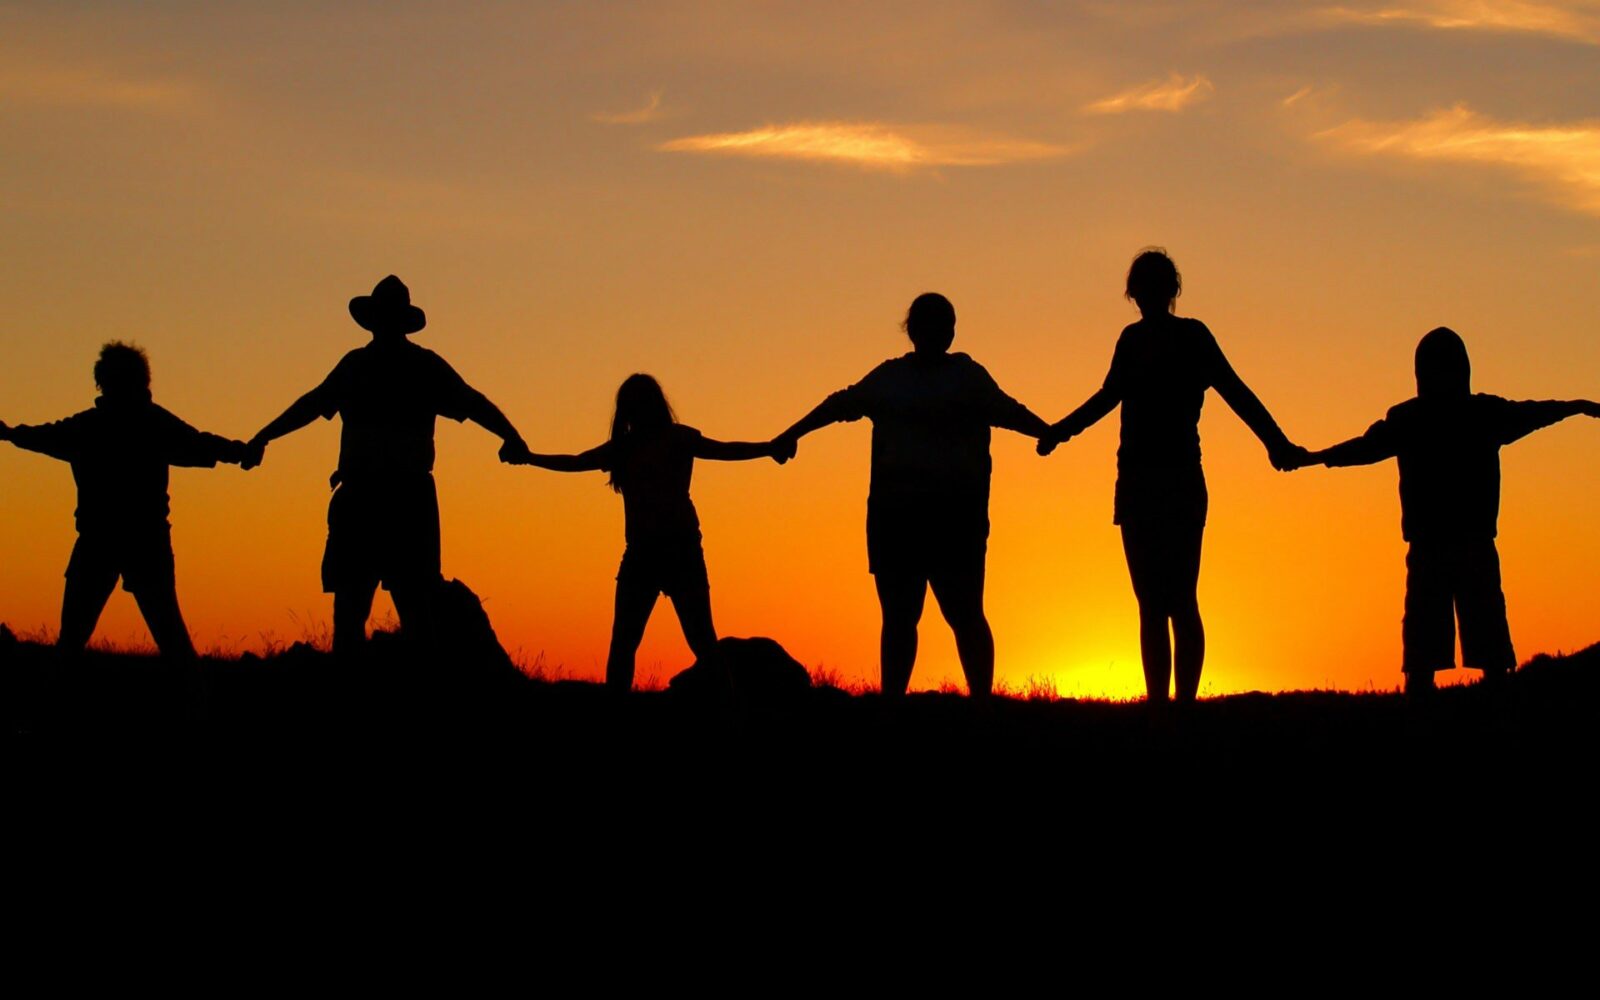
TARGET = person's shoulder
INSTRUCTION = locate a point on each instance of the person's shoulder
(1403, 411)
(1190, 327)
(686, 434)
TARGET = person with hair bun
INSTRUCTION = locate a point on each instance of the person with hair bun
(1160, 371)
(928, 505)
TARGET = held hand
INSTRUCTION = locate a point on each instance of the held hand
(1290, 458)
(1050, 439)
(783, 448)
(1590, 409)
(515, 452)
(254, 451)
(5, 431)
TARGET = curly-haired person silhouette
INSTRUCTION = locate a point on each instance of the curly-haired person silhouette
(1446, 441)
(120, 452)
(1160, 371)
(928, 505)
(650, 457)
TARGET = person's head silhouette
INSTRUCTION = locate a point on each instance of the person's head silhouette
(1443, 369)
(641, 407)
(930, 323)
(388, 311)
(1154, 283)
(122, 371)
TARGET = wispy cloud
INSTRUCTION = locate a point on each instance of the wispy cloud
(1564, 160)
(1577, 21)
(871, 144)
(65, 86)
(1174, 93)
(1296, 97)
(649, 113)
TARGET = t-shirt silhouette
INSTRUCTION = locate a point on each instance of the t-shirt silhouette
(387, 395)
(120, 452)
(653, 469)
(1448, 450)
(931, 415)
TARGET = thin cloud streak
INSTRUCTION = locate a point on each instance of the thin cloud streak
(1172, 94)
(1563, 159)
(870, 144)
(1575, 21)
(80, 87)
(649, 113)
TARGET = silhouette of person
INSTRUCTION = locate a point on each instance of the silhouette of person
(928, 504)
(650, 457)
(1447, 442)
(120, 452)
(383, 519)
(1160, 371)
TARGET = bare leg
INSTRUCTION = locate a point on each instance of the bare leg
(693, 606)
(1155, 651)
(901, 598)
(351, 608)
(1189, 641)
(85, 597)
(159, 605)
(633, 606)
(961, 602)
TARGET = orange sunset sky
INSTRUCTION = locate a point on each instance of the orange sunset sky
(742, 198)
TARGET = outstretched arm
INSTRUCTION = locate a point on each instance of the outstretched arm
(1375, 446)
(738, 451)
(1523, 418)
(58, 439)
(593, 460)
(1283, 453)
(300, 413)
(1104, 400)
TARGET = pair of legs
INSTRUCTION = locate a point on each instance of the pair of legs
(960, 595)
(1446, 581)
(1164, 564)
(352, 606)
(146, 571)
(680, 573)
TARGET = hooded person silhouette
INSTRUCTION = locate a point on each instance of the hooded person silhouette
(383, 519)
(120, 452)
(928, 503)
(1447, 442)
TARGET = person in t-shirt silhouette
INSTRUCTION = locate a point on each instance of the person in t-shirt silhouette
(1446, 441)
(650, 457)
(120, 452)
(1160, 371)
(383, 520)
(928, 504)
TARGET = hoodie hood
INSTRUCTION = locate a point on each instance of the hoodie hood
(1443, 368)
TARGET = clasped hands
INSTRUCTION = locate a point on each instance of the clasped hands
(1287, 457)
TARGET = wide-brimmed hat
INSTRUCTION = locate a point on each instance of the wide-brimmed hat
(388, 309)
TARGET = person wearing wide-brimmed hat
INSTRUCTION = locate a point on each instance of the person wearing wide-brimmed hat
(383, 521)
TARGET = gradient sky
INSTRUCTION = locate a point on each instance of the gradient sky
(742, 199)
